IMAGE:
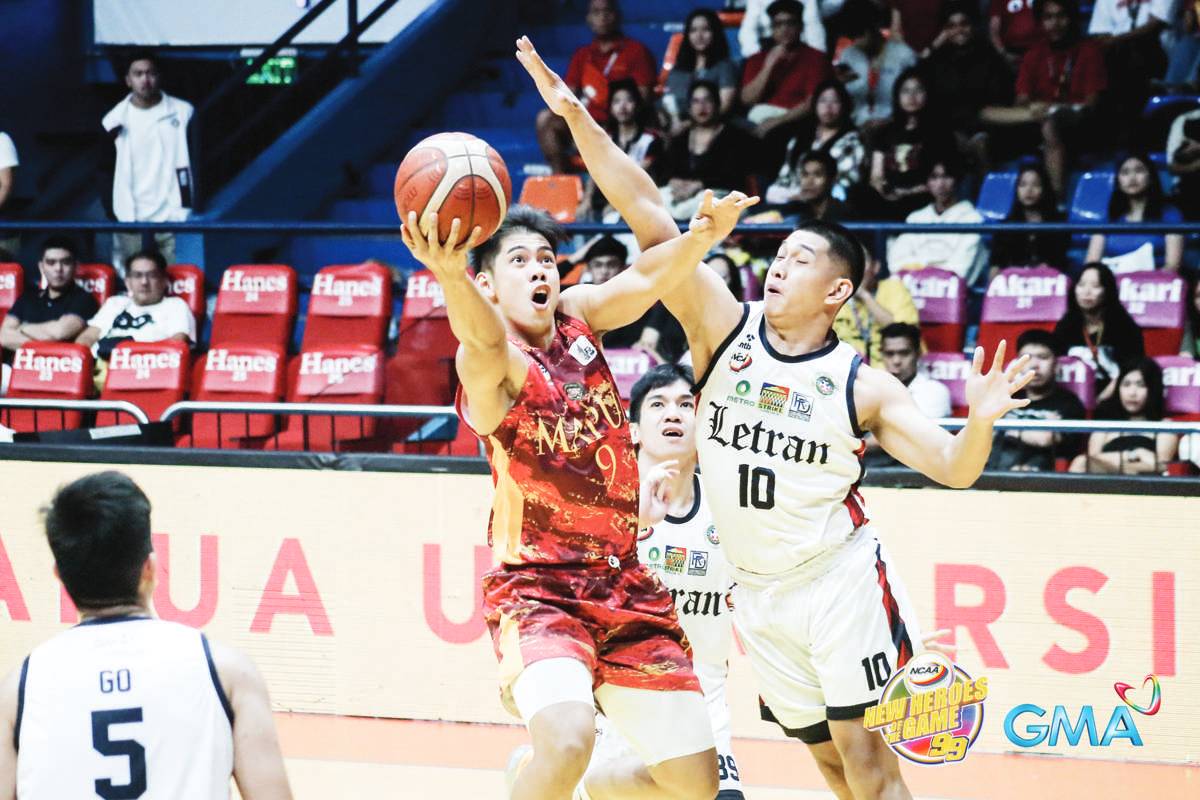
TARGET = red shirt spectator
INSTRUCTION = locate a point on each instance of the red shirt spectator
(1019, 28)
(794, 77)
(1073, 74)
(596, 65)
(920, 21)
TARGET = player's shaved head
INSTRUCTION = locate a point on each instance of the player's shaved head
(845, 250)
(520, 219)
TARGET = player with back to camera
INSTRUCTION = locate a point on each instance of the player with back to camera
(784, 406)
(124, 705)
(574, 618)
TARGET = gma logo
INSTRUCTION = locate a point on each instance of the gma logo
(1022, 730)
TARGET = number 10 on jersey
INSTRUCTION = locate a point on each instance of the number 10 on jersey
(756, 487)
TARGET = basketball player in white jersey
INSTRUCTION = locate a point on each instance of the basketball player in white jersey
(783, 408)
(125, 706)
(684, 551)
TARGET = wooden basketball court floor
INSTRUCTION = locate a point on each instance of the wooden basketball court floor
(357, 757)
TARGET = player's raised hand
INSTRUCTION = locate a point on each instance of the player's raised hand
(656, 493)
(716, 219)
(990, 394)
(442, 259)
(554, 91)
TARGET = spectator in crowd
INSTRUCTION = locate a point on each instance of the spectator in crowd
(1034, 202)
(1190, 344)
(1183, 62)
(965, 75)
(778, 84)
(145, 314)
(8, 176)
(710, 154)
(1183, 152)
(1097, 328)
(901, 347)
(656, 332)
(628, 115)
(724, 266)
(1139, 398)
(1138, 197)
(703, 56)
(870, 66)
(59, 311)
(916, 22)
(1031, 450)
(956, 252)
(812, 197)
(152, 178)
(1013, 28)
(877, 306)
(1129, 33)
(1058, 86)
(832, 132)
(611, 56)
(901, 148)
(757, 29)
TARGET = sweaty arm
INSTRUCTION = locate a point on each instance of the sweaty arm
(257, 760)
(8, 722)
(887, 409)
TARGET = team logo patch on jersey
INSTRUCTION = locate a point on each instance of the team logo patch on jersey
(800, 407)
(583, 351)
(675, 559)
(772, 398)
(698, 563)
(574, 391)
(739, 360)
(711, 535)
(825, 385)
(742, 388)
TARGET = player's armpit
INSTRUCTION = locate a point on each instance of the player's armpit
(8, 718)
(257, 759)
(708, 312)
(490, 384)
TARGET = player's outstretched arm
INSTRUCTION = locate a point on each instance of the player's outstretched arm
(623, 299)
(625, 185)
(257, 760)
(887, 409)
(487, 364)
(8, 722)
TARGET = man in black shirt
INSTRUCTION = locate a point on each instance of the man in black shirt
(656, 331)
(57, 313)
(1030, 450)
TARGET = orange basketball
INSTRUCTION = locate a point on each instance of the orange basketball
(454, 175)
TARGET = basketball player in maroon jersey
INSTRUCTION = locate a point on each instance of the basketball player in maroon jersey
(574, 618)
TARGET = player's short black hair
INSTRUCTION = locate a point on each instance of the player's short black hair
(61, 243)
(844, 247)
(519, 218)
(99, 531)
(902, 330)
(656, 378)
(1039, 338)
(140, 55)
(149, 254)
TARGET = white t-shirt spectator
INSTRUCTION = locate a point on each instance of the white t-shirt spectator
(955, 252)
(931, 396)
(8, 152)
(152, 174)
(756, 26)
(121, 318)
(1114, 17)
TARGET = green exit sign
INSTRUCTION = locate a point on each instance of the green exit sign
(277, 71)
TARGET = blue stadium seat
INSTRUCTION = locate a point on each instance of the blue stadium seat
(468, 110)
(996, 195)
(380, 211)
(1159, 113)
(1090, 201)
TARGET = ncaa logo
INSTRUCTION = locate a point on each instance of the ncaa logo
(928, 671)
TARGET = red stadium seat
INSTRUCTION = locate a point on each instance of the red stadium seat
(1080, 377)
(351, 304)
(12, 283)
(951, 369)
(98, 279)
(941, 300)
(256, 304)
(186, 281)
(337, 374)
(627, 365)
(1018, 299)
(558, 195)
(236, 374)
(48, 370)
(1157, 301)
(151, 375)
(1181, 385)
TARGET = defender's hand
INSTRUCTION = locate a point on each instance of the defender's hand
(655, 493)
(990, 394)
(554, 91)
(716, 219)
(442, 259)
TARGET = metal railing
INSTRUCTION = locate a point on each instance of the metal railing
(86, 406)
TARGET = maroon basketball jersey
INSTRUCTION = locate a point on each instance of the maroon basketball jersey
(562, 460)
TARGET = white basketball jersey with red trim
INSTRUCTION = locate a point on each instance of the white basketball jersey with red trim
(780, 450)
